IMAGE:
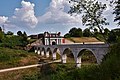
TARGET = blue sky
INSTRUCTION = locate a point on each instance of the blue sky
(36, 16)
(7, 8)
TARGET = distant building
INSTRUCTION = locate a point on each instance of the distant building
(53, 38)
(49, 38)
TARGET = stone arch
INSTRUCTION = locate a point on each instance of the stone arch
(56, 53)
(67, 55)
(79, 56)
(38, 50)
(35, 49)
(48, 52)
(42, 51)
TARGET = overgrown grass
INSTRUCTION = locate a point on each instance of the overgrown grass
(12, 58)
(19, 74)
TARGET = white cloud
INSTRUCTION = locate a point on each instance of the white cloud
(58, 13)
(3, 19)
(24, 16)
(56, 16)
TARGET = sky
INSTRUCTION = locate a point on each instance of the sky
(38, 16)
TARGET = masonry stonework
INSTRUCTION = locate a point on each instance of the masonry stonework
(98, 50)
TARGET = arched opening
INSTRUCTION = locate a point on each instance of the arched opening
(43, 51)
(53, 43)
(56, 53)
(68, 57)
(86, 57)
(35, 49)
(49, 53)
(38, 51)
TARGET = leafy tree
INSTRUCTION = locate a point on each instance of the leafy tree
(24, 33)
(91, 11)
(87, 33)
(95, 30)
(1, 36)
(19, 33)
(112, 37)
(78, 33)
(0, 29)
(106, 31)
(74, 32)
(117, 11)
(24, 36)
(9, 33)
(95, 33)
(67, 35)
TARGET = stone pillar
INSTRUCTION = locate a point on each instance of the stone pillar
(38, 52)
(47, 54)
(35, 50)
(78, 62)
(42, 53)
(64, 58)
(54, 55)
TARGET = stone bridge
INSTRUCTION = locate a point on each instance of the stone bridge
(98, 50)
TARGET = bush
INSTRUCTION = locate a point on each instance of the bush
(14, 42)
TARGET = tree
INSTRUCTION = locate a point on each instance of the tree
(24, 35)
(91, 11)
(67, 35)
(95, 30)
(106, 31)
(95, 33)
(9, 33)
(19, 33)
(117, 11)
(74, 32)
(112, 37)
(1, 36)
(0, 29)
(87, 33)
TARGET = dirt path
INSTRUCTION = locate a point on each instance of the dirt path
(29, 66)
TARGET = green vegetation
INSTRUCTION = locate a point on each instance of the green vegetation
(13, 41)
(117, 11)
(111, 36)
(12, 58)
(19, 74)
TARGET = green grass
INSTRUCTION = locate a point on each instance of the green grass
(12, 58)
(20, 74)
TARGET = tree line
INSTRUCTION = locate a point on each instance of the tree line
(10, 40)
(112, 36)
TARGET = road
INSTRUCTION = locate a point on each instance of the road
(29, 66)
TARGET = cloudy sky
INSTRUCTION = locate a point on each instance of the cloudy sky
(36, 16)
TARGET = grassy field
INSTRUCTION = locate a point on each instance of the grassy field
(13, 58)
(19, 74)
(83, 39)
